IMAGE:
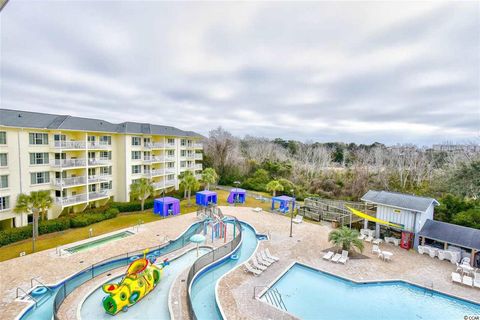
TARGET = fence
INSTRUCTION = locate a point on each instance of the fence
(122, 260)
(209, 258)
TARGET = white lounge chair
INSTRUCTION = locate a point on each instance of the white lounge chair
(257, 209)
(476, 280)
(264, 257)
(468, 281)
(257, 264)
(421, 249)
(362, 236)
(375, 249)
(269, 255)
(456, 277)
(336, 257)
(369, 238)
(433, 252)
(344, 258)
(249, 268)
(328, 255)
(298, 219)
(262, 261)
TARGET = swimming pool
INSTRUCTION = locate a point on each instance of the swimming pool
(154, 305)
(203, 287)
(98, 242)
(311, 294)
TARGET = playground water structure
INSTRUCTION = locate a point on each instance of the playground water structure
(203, 286)
(46, 305)
(153, 306)
(98, 242)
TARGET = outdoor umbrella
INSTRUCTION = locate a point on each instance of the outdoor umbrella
(197, 238)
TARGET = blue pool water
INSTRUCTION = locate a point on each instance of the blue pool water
(154, 305)
(203, 287)
(311, 294)
(44, 310)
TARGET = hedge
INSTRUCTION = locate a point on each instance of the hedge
(55, 225)
(132, 206)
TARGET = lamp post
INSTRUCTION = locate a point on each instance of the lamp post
(291, 215)
(236, 183)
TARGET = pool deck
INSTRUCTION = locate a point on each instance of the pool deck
(236, 290)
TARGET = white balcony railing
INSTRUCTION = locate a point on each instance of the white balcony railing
(152, 159)
(99, 178)
(99, 161)
(69, 144)
(154, 145)
(163, 184)
(67, 182)
(198, 156)
(99, 145)
(97, 195)
(170, 170)
(154, 172)
(198, 145)
(198, 166)
(67, 163)
(190, 155)
(71, 200)
(170, 158)
(169, 145)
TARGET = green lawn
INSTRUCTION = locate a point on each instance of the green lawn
(123, 220)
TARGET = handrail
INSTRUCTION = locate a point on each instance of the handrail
(210, 258)
(26, 295)
(39, 282)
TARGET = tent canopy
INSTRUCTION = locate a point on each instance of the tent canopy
(284, 203)
(206, 197)
(237, 195)
(373, 219)
(166, 206)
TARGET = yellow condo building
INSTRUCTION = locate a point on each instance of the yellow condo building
(85, 162)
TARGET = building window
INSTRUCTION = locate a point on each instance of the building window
(91, 172)
(38, 138)
(3, 160)
(91, 155)
(106, 155)
(171, 141)
(171, 165)
(183, 164)
(146, 141)
(92, 188)
(106, 140)
(38, 158)
(171, 153)
(183, 142)
(3, 181)
(136, 155)
(91, 138)
(171, 177)
(4, 202)
(136, 169)
(183, 153)
(106, 170)
(3, 137)
(106, 185)
(136, 141)
(135, 181)
(40, 177)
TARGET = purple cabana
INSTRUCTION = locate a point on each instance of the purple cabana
(285, 202)
(237, 196)
(166, 206)
(206, 197)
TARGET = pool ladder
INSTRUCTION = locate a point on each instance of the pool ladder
(274, 297)
(429, 288)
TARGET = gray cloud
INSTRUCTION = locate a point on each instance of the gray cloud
(362, 72)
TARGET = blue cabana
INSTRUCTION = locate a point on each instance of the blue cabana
(237, 196)
(166, 206)
(206, 197)
(285, 203)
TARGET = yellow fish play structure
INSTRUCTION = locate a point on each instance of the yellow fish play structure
(142, 277)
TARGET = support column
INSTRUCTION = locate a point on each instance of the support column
(365, 224)
(472, 257)
(377, 230)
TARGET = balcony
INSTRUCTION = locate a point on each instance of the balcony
(97, 195)
(71, 200)
(72, 145)
(170, 145)
(67, 163)
(154, 145)
(190, 156)
(198, 166)
(170, 171)
(99, 161)
(99, 178)
(153, 159)
(170, 158)
(198, 145)
(99, 145)
(69, 182)
(198, 156)
(164, 184)
(154, 173)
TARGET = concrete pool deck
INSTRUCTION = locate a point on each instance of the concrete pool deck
(236, 289)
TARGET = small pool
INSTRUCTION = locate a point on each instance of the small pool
(98, 242)
(311, 294)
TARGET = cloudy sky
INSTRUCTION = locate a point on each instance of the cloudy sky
(346, 71)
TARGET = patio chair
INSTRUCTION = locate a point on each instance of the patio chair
(459, 269)
(421, 249)
(476, 280)
(465, 260)
(387, 257)
(363, 234)
(336, 257)
(264, 257)
(328, 255)
(369, 238)
(377, 241)
(468, 281)
(456, 277)
(433, 252)
(257, 265)
(375, 249)
(249, 268)
(344, 258)
(269, 255)
(263, 261)
(257, 209)
(298, 219)
(443, 254)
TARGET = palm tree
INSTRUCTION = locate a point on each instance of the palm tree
(345, 238)
(209, 176)
(188, 183)
(141, 190)
(274, 186)
(34, 203)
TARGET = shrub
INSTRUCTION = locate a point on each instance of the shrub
(132, 206)
(54, 225)
(85, 219)
(14, 235)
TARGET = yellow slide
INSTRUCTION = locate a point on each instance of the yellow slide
(373, 219)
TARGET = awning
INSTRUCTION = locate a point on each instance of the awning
(373, 219)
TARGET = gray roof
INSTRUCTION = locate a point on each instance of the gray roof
(454, 234)
(28, 119)
(399, 200)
